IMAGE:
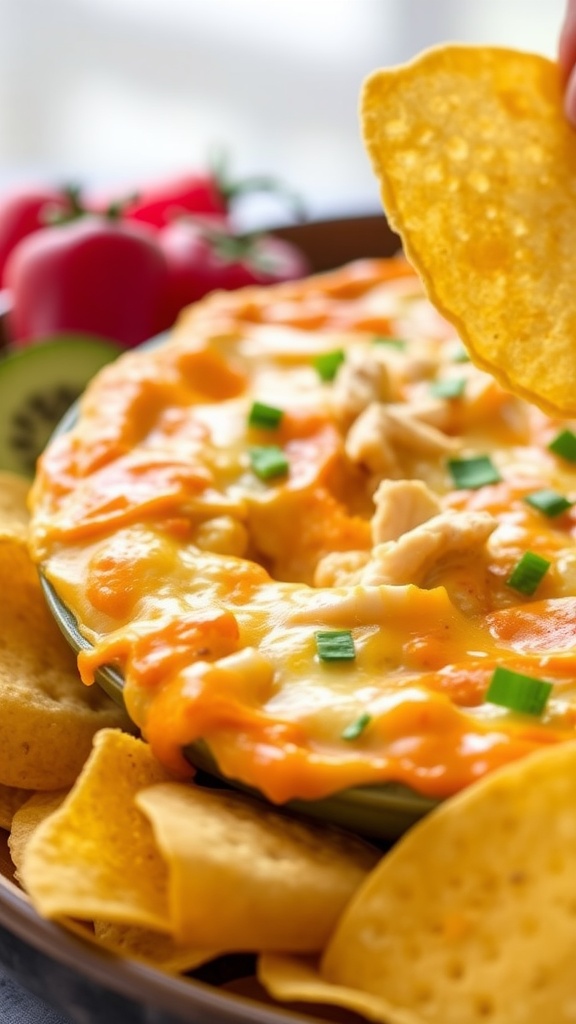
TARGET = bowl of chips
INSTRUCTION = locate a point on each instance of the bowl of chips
(196, 899)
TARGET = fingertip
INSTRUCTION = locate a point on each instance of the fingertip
(570, 98)
(567, 41)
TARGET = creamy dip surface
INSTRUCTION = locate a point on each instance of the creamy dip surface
(300, 529)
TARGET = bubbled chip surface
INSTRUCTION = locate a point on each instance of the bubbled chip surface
(477, 169)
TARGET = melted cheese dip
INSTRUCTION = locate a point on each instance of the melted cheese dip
(205, 580)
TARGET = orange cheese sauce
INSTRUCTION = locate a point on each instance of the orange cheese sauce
(205, 584)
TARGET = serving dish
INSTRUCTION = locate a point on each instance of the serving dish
(379, 812)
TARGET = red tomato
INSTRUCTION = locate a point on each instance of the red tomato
(162, 202)
(204, 256)
(209, 193)
(94, 275)
(23, 210)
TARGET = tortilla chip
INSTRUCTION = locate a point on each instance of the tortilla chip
(291, 979)
(96, 857)
(477, 169)
(47, 716)
(245, 877)
(151, 947)
(11, 798)
(472, 915)
(32, 812)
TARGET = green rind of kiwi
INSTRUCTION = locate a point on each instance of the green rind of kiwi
(37, 386)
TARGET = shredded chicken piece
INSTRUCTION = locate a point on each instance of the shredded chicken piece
(410, 558)
(368, 442)
(419, 368)
(436, 412)
(373, 439)
(401, 505)
(340, 568)
(361, 380)
(407, 429)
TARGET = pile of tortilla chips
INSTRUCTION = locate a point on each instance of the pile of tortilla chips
(176, 874)
(472, 916)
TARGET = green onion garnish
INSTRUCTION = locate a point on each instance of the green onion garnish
(266, 416)
(550, 502)
(518, 692)
(527, 574)
(326, 364)
(268, 461)
(355, 729)
(450, 387)
(335, 645)
(398, 343)
(473, 472)
(564, 444)
(460, 355)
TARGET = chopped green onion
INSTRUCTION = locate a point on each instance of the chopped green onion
(335, 645)
(564, 444)
(473, 472)
(268, 461)
(550, 502)
(461, 355)
(398, 343)
(266, 416)
(327, 364)
(527, 574)
(518, 692)
(449, 387)
(355, 729)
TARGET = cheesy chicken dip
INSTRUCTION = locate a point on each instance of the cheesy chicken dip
(308, 531)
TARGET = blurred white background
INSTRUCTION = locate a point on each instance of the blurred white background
(122, 90)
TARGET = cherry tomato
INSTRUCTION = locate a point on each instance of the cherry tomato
(162, 202)
(208, 193)
(93, 274)
(25, 209)
(203, 255)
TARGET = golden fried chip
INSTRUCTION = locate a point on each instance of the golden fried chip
(151, 947)
(32, 812)
(477, 168)
(14, 515)
(47, 716)
(96, 857)
(246, 877)
(471, 916)
(11, 799)
(292, 979)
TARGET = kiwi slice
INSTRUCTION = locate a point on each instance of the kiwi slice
(37, 385)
